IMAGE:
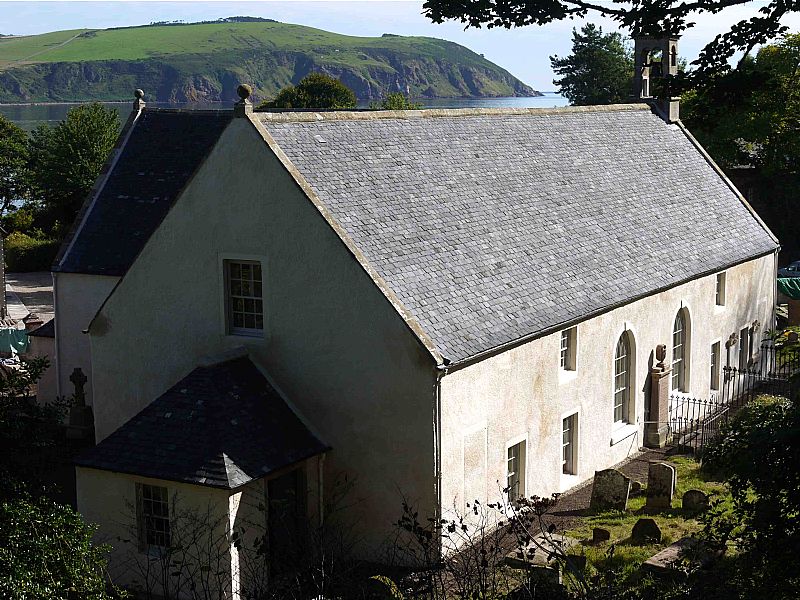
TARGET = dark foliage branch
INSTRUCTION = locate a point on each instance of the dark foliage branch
(640, 17)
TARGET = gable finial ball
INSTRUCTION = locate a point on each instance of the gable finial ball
(139, 94)
(244, 91)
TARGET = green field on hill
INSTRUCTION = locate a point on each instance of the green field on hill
(193, 61)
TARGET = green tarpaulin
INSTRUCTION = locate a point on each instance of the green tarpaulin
(789, 286)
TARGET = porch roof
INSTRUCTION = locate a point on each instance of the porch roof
(221, 426)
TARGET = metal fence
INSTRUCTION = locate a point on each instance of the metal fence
(693, 422)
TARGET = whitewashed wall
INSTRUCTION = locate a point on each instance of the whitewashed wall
(523, 394)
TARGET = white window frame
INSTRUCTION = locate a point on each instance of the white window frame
(521, 471)
(145, 521)
(629, 381)
(679, 378)
(721, 281)
(744, 348)
(568, 349)
(716, 367)
(572, 421)
(243, 335)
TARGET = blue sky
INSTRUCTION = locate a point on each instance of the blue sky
(523, 51)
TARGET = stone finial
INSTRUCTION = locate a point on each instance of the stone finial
(79, 380)
(661, 355)
(138, 103)
(244, 106)
(734, 337)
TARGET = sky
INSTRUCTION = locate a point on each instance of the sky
(524, 51)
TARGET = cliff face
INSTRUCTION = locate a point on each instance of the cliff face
(171, 81)
(205, 62)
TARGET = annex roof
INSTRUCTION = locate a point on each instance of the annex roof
(221, 426)
(159, 154)
(490, 226)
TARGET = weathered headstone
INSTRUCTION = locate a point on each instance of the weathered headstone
(81, 417)
(541, 551)
(667, 561)
(610, 490)
(695, 501)
(600, 535)
(661, 480)
(645, 531)
(636, 487)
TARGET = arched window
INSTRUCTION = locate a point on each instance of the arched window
(680, 351)
(622, 379)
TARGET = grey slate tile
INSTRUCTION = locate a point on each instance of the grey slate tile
(492, 227)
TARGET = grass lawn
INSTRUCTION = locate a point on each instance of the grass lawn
(674, 523)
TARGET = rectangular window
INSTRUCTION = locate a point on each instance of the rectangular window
(720, 294)
(569, 428)
(715, 366)
(744, 345)
(515, 480)
(568, 348)
(244, 299)
(152, 504)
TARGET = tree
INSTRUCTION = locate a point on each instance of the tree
(395, 101)
(665, 17)
(599, 70)
(65, 161)
(46, 552)
(315, 90)
(763, 519)
(13, 164)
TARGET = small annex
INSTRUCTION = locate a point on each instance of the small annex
(435, 305)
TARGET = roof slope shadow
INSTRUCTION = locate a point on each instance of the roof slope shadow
(163, 149)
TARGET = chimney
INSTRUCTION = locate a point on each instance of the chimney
(655, 64)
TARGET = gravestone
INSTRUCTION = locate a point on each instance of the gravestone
(600, 535)
(541, 551)
(695, 501)
(610, 490)
(81, 417)
(667, 561)
(645, 531)
(636, 487)
(661, 480)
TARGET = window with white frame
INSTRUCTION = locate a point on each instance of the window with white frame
(622, 378)
(568, 444)
(152, 504)
(244, 297)
(744, 348)
(568, 348)
(715, 366)
(679, 352)
(720, 292)
(515, 478)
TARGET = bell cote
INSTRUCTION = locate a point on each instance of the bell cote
(655, 63)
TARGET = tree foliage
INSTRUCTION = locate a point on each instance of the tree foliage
(13, 163)
(751, 114)
(598, 71)
(663, 17)
(65, 161)
(46, 552)
(759, 454)
(395, 101)
(315, 90)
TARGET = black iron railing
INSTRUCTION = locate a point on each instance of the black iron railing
(774, 370)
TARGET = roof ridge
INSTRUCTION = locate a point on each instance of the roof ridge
(428, 113)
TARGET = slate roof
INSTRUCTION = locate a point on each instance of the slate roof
(492, 227)
(159, 157)
(221, 426)
(48, 329)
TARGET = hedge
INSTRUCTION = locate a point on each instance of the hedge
(24, 253)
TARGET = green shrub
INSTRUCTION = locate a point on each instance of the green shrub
(25, 253)
(47, 552)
